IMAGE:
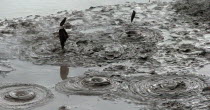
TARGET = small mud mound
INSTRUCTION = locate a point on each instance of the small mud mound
(134, 33)
(159, 89)
(23, 96)
(88, 85)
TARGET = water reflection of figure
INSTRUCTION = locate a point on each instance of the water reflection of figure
(64, 71)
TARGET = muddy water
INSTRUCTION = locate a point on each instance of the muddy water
(150, 64)
(48, 76)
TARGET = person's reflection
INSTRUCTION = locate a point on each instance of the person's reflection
(64, 71)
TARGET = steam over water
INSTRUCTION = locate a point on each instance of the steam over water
(152, 62)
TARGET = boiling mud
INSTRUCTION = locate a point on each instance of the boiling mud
(150, 62)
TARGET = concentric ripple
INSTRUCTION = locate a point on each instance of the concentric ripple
(166, 87)
(23, 96)
(88, 85)
(167, 92)
(140, 34)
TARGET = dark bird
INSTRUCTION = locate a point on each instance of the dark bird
(133, 15)
(63, 21)
(63, 35)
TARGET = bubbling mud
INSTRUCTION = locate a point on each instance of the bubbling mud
(134, 33)
(96, 38)
(178, 91)
(112, 51)
(88, 84)
(23, 96)
(102, 35)
(158, 41)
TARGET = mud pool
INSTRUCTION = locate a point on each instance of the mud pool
(160, 61)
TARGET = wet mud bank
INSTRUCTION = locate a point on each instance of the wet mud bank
(151, 62)
(103, 35)
(98, 36)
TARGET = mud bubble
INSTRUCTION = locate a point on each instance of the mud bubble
(88, 84)
(112, 51)
(134, 33)
(23, 96)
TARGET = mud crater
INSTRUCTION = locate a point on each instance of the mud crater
(92, 83)
(176, 91)
(23, 96)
